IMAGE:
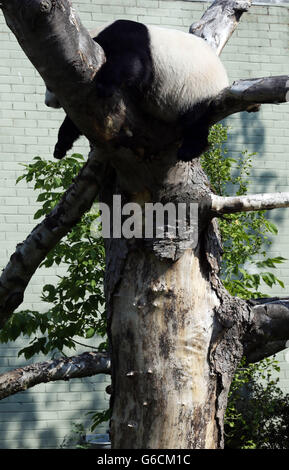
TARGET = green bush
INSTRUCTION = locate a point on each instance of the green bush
(257, 414)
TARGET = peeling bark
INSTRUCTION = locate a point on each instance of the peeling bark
(84, 365)
(220, 21)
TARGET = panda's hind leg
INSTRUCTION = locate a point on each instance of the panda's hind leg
(195, 142)
(195, 126)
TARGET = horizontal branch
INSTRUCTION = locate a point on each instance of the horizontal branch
(84, 365)
(248, 95)
(220, 21)
(252, 202)
(45, 236)
(269, 328)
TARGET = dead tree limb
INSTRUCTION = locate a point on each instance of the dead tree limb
(84, 365)
(252, 202)
(220, 21)
(269, 330)
(247, 95)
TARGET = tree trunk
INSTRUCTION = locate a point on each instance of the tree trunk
(165, 393)
(164, 298)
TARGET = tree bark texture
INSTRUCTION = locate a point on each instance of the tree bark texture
(176, 336)
(172, 357)
(84, 365)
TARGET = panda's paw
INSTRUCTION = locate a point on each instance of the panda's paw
(59, 152)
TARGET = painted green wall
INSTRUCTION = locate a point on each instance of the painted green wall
(42, 416)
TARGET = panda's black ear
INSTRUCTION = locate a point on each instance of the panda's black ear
(68, 133)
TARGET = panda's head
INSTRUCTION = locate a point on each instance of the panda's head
(51, 100)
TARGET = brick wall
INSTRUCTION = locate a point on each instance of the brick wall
(42, 416)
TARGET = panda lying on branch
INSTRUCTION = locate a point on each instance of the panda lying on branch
(174, 73)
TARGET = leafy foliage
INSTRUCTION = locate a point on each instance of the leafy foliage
(257, 415)
(99, 417)
(76, 302)
(245, 236)
(258, 411)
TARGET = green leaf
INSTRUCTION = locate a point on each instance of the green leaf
(38, 214)
(90, 333)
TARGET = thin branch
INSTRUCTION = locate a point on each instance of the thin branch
(85, 345)
(84, 365)
(252, 202)
(220, 21)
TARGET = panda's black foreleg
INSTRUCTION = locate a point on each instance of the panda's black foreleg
(67, 135)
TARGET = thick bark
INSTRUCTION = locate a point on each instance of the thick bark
(176, 335)
(269, 328)
(84, 365)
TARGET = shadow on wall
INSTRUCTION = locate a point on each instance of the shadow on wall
(270, 171)
(38, 419)
(271, 164)
(266, 134)
(42, 416)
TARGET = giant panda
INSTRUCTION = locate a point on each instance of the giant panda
(175, 75)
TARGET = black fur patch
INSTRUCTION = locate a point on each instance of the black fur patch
(129, 63)
(126, 45)
(195, 125)
(68, 133)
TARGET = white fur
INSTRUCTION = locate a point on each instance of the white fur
(186, 71)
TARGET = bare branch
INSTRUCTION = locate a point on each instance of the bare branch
(247, 95)
(269, 328)
(220, 21)
(252, 202)
(84, 365)
(29, 254)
